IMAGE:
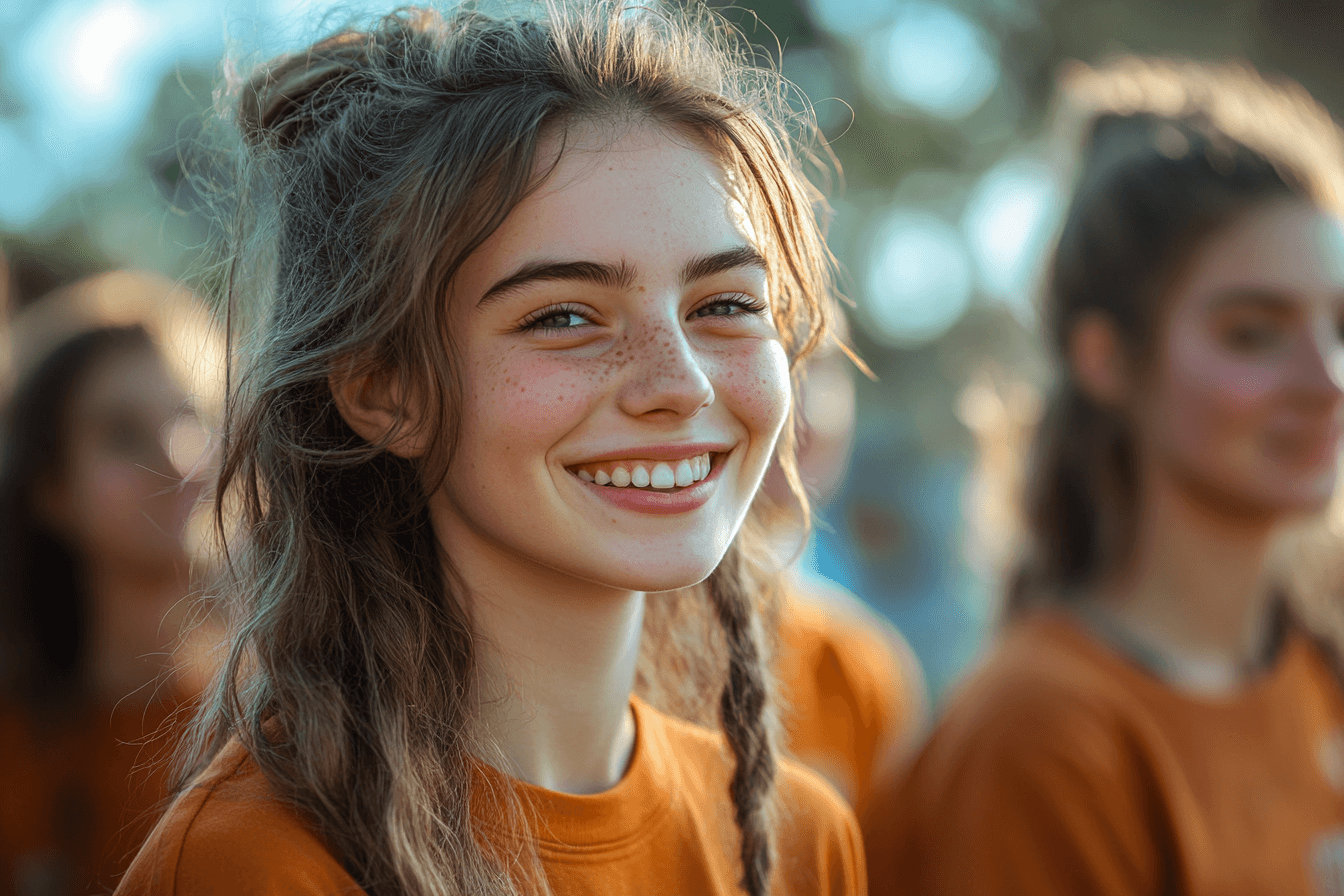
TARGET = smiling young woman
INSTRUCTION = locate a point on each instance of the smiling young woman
(532, 293)
(1157, 717)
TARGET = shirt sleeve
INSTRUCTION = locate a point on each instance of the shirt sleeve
(819, 851)
(209, 848)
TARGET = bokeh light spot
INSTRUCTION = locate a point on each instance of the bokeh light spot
(937, 60)
(103, 43)
(918, 282)
(849, 17)
(29, 182)
(1009, 218)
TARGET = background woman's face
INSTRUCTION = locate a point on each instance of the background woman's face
(624, 381)
(119, 496)
(1244, 405)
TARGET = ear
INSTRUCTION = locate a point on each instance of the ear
(1096, 359)
(378, 408)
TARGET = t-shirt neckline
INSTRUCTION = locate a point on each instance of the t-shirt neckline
(582, 823)
(1082, 638)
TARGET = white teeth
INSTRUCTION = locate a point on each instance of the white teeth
(663, 477)
(669, 474)
(684, 475)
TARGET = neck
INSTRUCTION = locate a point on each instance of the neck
(134, 618)
(556, 666)
(1196, 587)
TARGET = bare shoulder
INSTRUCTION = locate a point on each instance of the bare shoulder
(230, 833)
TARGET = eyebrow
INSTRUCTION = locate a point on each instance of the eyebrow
(620, 276)
(721, 262)
(616, 276)
(1264, 298)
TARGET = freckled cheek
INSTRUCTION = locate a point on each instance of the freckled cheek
(755, 385)
(527, 406)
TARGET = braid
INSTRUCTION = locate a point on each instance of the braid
(742, 712)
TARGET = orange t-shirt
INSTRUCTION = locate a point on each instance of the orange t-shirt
(852, 691)
(80, 793)
(1063, 768)
(665, 828)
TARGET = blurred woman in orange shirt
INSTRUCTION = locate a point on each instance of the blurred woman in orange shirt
(853, 694)
(102, 443)
(1159, 717)
(527, 294)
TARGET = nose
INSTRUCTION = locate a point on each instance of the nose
(665, 375)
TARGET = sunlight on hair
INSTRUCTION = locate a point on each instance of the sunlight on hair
(1269, 115)
(287, 25)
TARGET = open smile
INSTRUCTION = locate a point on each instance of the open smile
(663, 484)
(649, 474)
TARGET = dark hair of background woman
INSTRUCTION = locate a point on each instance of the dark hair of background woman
(43, 598)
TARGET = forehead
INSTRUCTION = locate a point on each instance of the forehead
(131, 379)
(1291, 248)
(632, 192)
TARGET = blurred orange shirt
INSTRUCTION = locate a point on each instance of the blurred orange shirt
(852, 690)
(1062, 768)
(81, 792)
(666, 828)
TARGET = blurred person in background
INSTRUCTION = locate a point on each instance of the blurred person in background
(101, 442)
(852, 690)
(1157, 717)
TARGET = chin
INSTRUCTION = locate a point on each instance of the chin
(1309, 503)
(1302, 495)
(665, 576)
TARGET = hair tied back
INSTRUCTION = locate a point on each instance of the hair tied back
(283, 102)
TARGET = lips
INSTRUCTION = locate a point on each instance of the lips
(659, 479)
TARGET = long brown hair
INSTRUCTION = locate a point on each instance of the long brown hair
(370, 165)
(1172, 152)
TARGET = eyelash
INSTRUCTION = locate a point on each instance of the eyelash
(533, 321)
(748, 304)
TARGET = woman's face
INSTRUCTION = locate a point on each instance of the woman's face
(1244, 407)
(120, 497)
(624, 383)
